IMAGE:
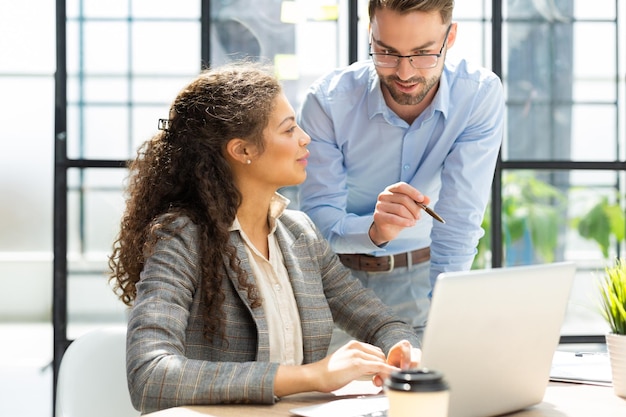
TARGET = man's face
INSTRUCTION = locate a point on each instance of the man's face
(411, 34)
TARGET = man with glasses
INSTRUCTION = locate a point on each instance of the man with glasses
(394, 135)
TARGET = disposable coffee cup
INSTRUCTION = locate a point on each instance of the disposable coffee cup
(417, 392)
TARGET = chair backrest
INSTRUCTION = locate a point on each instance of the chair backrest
(92, 376)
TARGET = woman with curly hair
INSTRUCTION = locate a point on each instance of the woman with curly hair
(233, 296)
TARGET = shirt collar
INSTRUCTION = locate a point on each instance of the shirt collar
(278, 205)
(376, 101)
(441, 101)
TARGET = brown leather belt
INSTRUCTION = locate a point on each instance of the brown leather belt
(369, 263)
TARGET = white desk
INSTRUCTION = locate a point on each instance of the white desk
(561, 400)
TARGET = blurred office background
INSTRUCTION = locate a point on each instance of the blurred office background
(558, 192)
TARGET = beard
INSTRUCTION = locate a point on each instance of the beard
(405, 99)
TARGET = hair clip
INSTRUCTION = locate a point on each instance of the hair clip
(164, 124)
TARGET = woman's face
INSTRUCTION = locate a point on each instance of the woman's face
(284, 159)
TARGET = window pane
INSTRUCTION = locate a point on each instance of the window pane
(594, 89)
(27, 41)
(156, 47)
(597, 9)
(594, 135)
(553, 10)
(98, 132)
(26, 168)
(161, 89)
(95, 206)
(105, 89)
(539, 62)
(101, 9)
(594, 56)
(472, 9)
(473, 43)
(538, 131)
(103, 48)
(165, 9)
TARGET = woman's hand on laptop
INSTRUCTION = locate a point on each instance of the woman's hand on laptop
(402, 355)
(351, 361)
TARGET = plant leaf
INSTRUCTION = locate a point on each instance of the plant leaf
(613, 297)
(616, 220)
(595, 226)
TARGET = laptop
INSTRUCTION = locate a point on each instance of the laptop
(493, 334)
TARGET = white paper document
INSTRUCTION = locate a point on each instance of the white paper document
(371, 406)
(581, 367)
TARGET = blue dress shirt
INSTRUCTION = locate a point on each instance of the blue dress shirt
(359, 146)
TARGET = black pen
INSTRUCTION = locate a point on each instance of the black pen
(581, 354)
(431, 212)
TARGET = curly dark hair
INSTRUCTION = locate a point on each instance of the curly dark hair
(182, 171)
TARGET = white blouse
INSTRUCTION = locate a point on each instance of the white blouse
(279, 303)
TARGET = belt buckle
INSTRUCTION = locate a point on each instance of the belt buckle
(392, 261)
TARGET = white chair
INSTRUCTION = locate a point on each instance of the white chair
(92, 376)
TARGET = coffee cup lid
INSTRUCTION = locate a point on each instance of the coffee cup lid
(416, 380)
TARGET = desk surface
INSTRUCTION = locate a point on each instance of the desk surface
(560, 400)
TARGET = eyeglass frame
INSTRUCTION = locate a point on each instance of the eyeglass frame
(410, 57)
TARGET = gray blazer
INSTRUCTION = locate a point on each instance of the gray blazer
(170, 363)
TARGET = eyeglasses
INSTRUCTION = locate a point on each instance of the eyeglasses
(419, 61)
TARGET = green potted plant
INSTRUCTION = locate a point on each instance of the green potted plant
(613, 309)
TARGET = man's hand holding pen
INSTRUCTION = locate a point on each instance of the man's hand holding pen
(399, 206)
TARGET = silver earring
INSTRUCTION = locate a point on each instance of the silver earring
(248, 162)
